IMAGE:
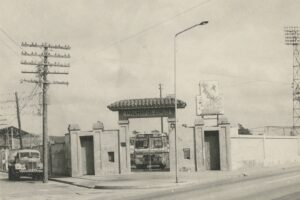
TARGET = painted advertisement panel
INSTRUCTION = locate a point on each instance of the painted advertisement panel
(209, 102)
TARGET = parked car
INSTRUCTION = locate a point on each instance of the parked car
(25, 162)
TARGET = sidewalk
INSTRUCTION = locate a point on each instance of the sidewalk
(145, 180)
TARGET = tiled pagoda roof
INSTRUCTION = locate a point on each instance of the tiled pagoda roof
(146, 103)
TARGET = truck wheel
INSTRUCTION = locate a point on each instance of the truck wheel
(10, 175)
(40, 176)
(16, 176)
(162, 166)
(36, 177)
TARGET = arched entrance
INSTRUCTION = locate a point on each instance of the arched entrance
(144, 108)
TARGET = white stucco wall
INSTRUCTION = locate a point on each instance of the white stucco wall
(259, 151)
(109, 143)
(185, 140)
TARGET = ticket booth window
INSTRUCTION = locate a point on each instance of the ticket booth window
(111, 156)
(187, 153)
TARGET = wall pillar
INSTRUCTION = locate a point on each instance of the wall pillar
(171, 125)
(74, 130)
(124, 145)
(98, 128)
(225, 144)
(199, 145)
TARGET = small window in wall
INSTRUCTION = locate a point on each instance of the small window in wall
(186, 153)
(111, 156)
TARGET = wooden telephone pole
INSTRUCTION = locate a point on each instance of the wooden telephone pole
(161, 119)
(42, 73)
(19, 120)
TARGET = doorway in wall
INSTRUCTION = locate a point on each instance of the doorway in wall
(87, 155)
(212, 150)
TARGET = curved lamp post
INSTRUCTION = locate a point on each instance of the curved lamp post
(175, 97)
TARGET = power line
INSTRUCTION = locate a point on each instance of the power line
(152, 26)
(15, 52)
(30, 97)
(10, 38)
(24, 98)
(156, 25)
(245, 77)
(205, 72)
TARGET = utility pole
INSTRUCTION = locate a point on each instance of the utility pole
(12, 137)
(42, 73)
(162, 118)
(19, 120)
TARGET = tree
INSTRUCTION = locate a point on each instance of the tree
(243, 131)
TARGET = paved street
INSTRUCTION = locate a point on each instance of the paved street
(36, 190)
(283, 185)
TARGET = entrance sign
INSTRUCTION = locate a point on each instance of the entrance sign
(146, 113)
(146, 108)
(209, 102)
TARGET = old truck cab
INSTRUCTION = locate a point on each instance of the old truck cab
(25, 162)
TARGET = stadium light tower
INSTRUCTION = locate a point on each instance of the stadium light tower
(292, 38)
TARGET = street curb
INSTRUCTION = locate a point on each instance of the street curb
(244, 176)
(71, 183)
(115, 187)
(121, 187)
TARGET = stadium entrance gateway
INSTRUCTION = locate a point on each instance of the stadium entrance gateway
(144, 108)
(104, 151)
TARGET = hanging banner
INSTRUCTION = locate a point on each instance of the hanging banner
(209, 102)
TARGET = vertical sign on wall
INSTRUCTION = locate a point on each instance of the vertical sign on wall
(209, 101)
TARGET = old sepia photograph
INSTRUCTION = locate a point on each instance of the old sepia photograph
(149, 100)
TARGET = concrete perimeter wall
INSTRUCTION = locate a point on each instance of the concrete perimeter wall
(109, 143)
(105, 148)
(57, 163)
(261, 151)
(185, 141)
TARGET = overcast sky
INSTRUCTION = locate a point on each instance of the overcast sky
(124, 49)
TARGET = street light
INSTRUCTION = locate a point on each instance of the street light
(175, 97)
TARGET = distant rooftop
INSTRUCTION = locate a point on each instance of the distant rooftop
(12, 129)
(146, 103)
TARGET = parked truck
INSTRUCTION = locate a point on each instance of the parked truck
(151, 149)
(24, 162)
